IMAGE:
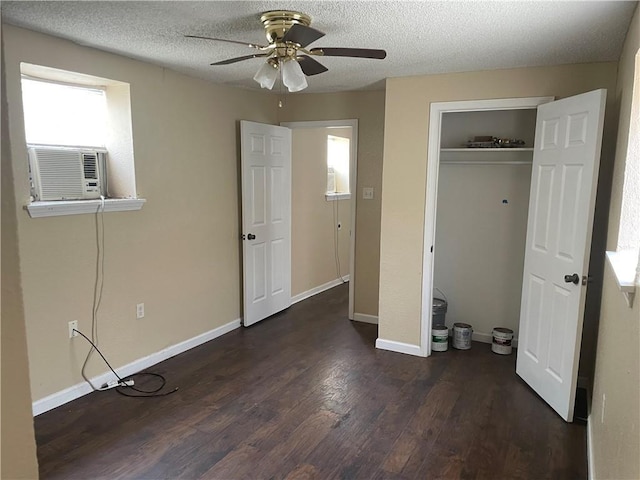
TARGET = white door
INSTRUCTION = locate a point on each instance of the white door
(563, 189)
(266, 219)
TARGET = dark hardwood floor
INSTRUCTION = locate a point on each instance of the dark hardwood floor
(306, 395)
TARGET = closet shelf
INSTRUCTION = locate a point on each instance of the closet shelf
(485, 162)
(487, 156)
(476, 150)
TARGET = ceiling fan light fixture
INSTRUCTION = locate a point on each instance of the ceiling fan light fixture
(289, 33)
(292, 76)
(267, 75)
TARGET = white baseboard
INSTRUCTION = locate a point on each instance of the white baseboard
(363, 317)
(398, 347)
(590, 465)
(76, 391)
(319, 289)
(482, 337)
(488, 338)
(591, 469)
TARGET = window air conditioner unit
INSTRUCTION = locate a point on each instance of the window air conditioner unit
(64, 173)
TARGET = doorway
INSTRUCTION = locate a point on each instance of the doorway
(323, 206)
(447, 146)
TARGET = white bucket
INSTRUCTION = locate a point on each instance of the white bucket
(439, 338)
(462, 336)
(502, 341)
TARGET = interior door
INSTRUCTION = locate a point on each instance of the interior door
(266, 219)
(563, 189)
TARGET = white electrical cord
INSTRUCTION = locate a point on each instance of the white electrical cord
(97, 287)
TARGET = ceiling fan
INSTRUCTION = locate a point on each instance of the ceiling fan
(289, 34)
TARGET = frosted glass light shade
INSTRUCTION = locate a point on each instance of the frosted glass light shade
(266, 76)
(293, 77)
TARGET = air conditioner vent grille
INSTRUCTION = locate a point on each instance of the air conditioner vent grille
(59, 177)
(90, 163)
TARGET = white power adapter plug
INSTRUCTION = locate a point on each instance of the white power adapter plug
(116, 383)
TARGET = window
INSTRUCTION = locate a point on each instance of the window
(59, 114)
(338, 152)
(625, 260)
(629, 234)
(72, 109)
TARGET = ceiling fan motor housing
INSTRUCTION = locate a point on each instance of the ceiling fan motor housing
(278, 22)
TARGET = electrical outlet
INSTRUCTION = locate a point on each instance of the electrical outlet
(140, 310)
(73, 325)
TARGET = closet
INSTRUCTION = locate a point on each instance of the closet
(487, 249)
(481, 216)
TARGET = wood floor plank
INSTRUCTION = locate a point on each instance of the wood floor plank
(238, 464)
(423, 430)
(303, 472)
(305, 395)
(398, 411)
(353, 429)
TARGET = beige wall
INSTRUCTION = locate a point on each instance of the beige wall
(479, 254)
(18, 458)
(405, 161)
(313, 219)
(615, 436)
(180, 254)
(368, 109)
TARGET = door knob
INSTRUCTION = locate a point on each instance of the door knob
(251, 236)
(575, 278)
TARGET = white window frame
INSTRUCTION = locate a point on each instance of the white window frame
(100, 88)
(120, 168)
(337, 194)
(625, 261)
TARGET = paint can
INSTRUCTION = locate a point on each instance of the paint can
(462, 336)
(439, 338)
(502, 338)
(439, 310)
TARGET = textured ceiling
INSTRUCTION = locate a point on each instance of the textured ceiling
(420, 37)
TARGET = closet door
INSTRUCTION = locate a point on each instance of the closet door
(563, 190)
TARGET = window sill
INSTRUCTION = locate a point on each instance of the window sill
(332, 197)
(623, 264)
(77, 207)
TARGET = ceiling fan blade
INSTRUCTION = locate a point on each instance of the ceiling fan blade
(310, 66)
(302, 35)
(250, 45)
(239, 59)
(350, 52)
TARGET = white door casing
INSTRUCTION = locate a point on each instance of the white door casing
(437, 110)
(353, 174)
(560, 221)
(266, 219)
